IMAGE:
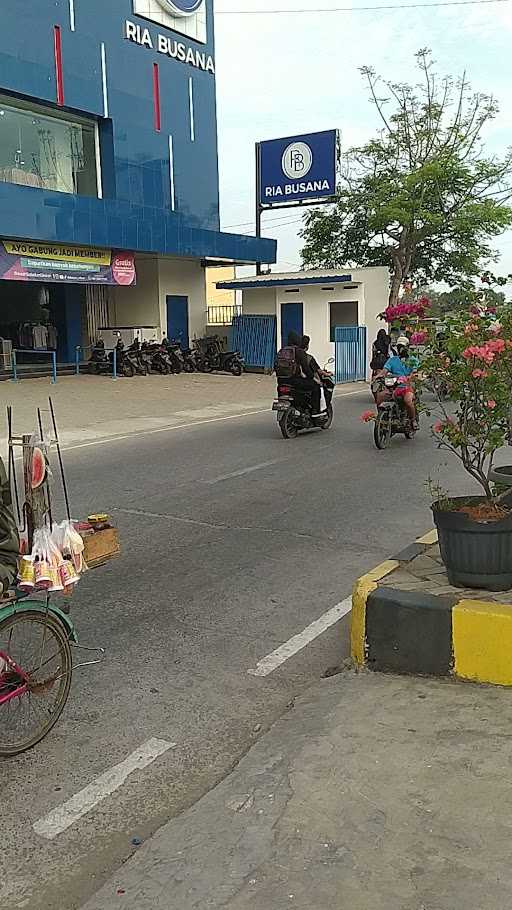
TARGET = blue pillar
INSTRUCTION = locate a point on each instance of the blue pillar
(73, 323)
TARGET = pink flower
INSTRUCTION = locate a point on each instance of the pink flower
(438, 427)
(491, 404)
(480, 374)
(418, 337)
(495, 328)
(366, 416)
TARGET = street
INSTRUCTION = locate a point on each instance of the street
(233, 541)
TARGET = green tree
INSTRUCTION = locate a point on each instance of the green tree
(458, 298)
(421, 197)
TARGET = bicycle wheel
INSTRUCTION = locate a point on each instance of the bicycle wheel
(35, 677)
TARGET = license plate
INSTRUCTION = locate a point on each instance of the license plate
(281, 405)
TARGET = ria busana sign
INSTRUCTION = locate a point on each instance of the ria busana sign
(298, 168)
(171, 47)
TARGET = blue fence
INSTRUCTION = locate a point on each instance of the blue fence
(351, 353)
(33, 353)
(255, 337)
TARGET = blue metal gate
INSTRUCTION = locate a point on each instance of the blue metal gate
(351, 355)
(255, 338)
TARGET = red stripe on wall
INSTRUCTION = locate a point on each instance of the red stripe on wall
(59, 76)
(156, 97)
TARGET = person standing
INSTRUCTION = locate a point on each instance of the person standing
(9, 536)
(381, 350)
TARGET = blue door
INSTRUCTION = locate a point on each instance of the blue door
(291, 321)
(177, 320)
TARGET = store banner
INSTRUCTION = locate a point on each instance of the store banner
(298, 168)
(55, 262)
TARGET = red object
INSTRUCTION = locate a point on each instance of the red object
(123, 268)
(59, 75)
(156, 97)
(38, 468)
(284, 390)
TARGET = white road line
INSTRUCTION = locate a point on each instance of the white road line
(272, 661)
(110, 440)
(242, 471)
(79, 805)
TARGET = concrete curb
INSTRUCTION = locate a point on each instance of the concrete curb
(429, 635)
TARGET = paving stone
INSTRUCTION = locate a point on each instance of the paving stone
(400, 576)
(423, 565)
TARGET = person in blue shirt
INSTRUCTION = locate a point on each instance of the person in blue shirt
(402, 365)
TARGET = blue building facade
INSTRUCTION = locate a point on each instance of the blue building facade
(108, 140)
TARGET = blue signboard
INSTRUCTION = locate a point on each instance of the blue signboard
(298, 169)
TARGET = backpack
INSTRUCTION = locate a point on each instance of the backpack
(286, 365)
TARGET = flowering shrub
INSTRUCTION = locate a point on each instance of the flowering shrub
(475, 365)
(419, 337)
(405, 310)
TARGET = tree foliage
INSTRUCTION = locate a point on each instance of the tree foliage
(422, 197)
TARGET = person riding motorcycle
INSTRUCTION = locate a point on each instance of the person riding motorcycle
(401, 366)
(295, 367)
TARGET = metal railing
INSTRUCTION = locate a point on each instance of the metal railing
(222, 315)
(15, 365)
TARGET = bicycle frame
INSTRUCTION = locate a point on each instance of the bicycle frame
(11, 667)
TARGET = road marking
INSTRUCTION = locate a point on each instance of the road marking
(242, 471)
(274, 660)
(61, 818)
(110, 440)
(168, 429)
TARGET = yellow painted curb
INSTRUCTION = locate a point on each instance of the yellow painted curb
(362, 590)
(482, 641)
(429, 539)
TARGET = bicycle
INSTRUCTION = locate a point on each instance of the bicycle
(36, 669)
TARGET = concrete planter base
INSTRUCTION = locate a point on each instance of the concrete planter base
(407, 618)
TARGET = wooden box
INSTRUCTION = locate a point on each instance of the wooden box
(101, 546)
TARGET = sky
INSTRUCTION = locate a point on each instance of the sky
(281, 75)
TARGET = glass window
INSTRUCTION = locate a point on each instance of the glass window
(47, 150)
(344, 312)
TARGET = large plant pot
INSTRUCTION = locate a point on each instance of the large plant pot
(476, 554)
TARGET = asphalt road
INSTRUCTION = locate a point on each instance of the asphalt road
(233, 541)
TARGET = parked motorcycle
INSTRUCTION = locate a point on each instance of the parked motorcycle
(189, 360)
(210, 357)
(159, 358)
(174, 354)
(99, 363)
(392, 417)
(294, 407)
(125, 365)
(137, 359)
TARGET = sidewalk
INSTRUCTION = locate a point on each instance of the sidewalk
(95, 407)
(374, 793)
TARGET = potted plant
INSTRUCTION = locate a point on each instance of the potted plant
(473, 361)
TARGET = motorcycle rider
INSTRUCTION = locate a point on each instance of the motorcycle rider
(294, 367)
(402, 365)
